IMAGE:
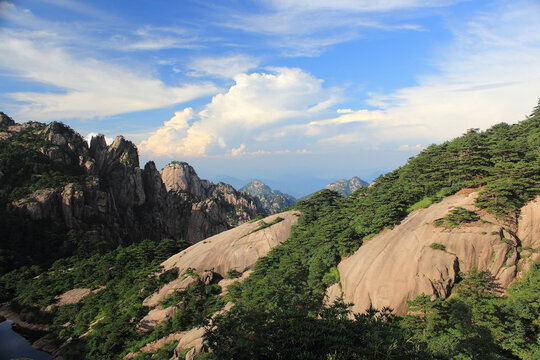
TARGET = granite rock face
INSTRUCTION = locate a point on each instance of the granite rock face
(399, 264)
(347, 187)
(112, 198)
(271, 201)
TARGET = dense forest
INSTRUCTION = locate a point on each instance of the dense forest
(279, 311)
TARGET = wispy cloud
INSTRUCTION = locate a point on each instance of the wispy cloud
(489, 74)
(222, 66)
(306, 28)
(153, 38)
(88, 87)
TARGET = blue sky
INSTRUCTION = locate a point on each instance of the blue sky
(280, 90)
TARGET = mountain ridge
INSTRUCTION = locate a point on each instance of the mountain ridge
(347, 187)
(90, 196)
(271, 201)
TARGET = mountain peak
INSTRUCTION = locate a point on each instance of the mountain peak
(347, 187)
(271, 201)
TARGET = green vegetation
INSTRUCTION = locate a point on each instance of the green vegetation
(264, 225)
(474, 324)
(115, 310)
(233, 274)
(503, 163)
(457, 216)
(278, 310)
(437, 246)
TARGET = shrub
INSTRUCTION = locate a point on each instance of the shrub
(232, 274)
(437, 246)
(457, 216)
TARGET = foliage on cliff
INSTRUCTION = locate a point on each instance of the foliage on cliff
(503, 162)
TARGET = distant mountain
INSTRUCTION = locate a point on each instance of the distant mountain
(347, 187)
(271, 201)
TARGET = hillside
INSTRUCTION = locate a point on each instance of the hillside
(347, 187)
(449, 241)
(271, 201)
(418, 256)
(60, 196)
(142, 293)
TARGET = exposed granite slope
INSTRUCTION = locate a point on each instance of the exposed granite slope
(399, 264)
(236, 249)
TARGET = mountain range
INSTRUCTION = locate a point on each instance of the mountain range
(438, 259)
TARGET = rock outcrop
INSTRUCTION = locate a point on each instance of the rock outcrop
(271, 201)
(236, 249)
(417, 257)
(347, 187)
(103, 195)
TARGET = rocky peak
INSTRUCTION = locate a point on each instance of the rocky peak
(269, 200)
(347, 187)
(181, 177)
(6, 120)
(67, 148)
(125, 151)
(153, 185)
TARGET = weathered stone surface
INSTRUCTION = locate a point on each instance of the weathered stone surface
(6, 120)
(179, 176)
(182, 283)
(398, 264)
(347, 187)
(42, 204)
(529, 234)
(111, 198)
(333, 293)
(155, 345)
(157, 316)
(236, 249)
(226, 282)
(271, 201)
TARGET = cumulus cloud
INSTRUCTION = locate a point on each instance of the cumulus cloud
(224, 66)
(255, 102)
(87, 87)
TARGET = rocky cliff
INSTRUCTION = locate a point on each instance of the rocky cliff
(421, 256)
(99, 193)
(347, 187)
(271, 201)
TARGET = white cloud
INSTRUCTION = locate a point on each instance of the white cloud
(153, 38)
(224, 66)
(416, 147)
(306, 28)
(89, 136)
(255, 103)
(489, 74)
(239, 150)
(88, 87)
